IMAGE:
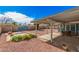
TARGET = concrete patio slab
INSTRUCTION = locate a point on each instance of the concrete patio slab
(47, 37)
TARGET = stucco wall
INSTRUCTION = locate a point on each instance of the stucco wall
(6, 28)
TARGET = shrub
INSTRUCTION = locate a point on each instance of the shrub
(23, 37)
(32, 35)
(27, 37)
(16, 38)
(20, 37)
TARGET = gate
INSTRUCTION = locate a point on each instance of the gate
(22, 28)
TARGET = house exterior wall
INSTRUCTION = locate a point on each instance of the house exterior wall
(71, 28)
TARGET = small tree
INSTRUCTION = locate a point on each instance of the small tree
(14, 23)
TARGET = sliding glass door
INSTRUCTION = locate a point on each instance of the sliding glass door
(73, 28)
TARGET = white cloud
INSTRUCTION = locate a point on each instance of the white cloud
(1, 15)
(18, 17)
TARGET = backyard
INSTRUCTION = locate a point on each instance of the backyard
(32, 45)
(57, 33)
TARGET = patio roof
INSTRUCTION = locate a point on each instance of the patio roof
(70, 15)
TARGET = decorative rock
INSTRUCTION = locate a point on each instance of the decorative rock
(8, 38)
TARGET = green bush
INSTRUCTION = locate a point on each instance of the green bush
(26, 37)
(23, 37)
(16, 38)
(32, 35)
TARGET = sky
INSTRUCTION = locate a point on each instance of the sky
(30, 13)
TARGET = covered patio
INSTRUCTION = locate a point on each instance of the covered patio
(67, 22)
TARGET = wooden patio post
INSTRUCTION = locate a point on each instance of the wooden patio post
(47, 28)
(69, 27)
(51, 32)
(65, 28)
(59, 28)
(75, 28)
(36, 28)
